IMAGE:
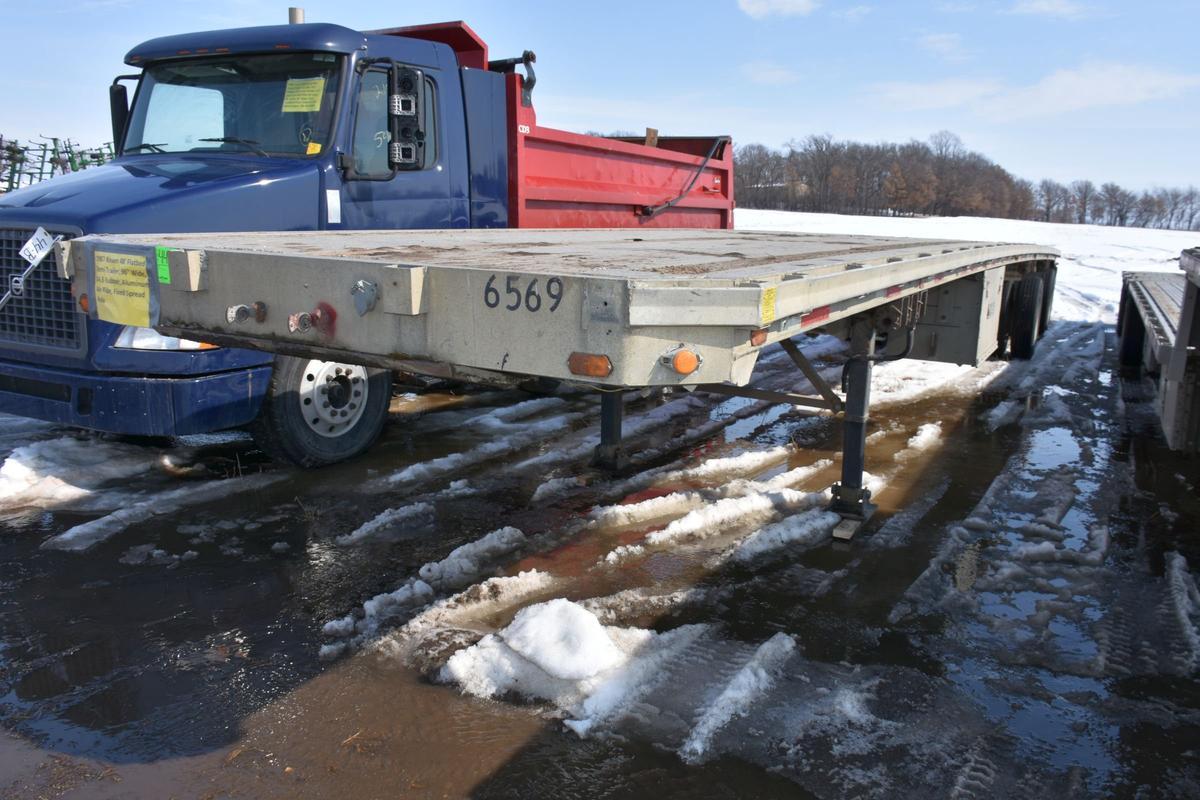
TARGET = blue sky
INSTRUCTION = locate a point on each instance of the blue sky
(1103, 89)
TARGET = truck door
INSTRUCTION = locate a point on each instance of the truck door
(374, 194)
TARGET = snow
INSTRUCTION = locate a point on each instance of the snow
(91, 533)
(417, 513)
(466, 563)
(632, 660)
(927, 436)
(564, 639)
(522, 436)
(749, 684)
(667, 505)
(463, 565)
(1185, 603)
(55, 472)
(799, 530)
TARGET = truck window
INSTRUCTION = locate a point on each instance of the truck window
(277, 104)
(371, 134)
(371, 131)
(180, 116)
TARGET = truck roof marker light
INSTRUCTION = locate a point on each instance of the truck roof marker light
(221, 50)
(283, 47)
(758, 337)
(683, 360)
(592, 365)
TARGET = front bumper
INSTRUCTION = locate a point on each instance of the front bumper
(133, 405)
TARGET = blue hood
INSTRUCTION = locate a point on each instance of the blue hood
(173, 193)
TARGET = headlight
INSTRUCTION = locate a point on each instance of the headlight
(132, 338)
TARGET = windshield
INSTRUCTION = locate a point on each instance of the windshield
(257, 104)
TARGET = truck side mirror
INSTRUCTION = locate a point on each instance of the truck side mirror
(406, 114)
(118, 108)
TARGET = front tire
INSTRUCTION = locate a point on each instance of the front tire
(321, 412)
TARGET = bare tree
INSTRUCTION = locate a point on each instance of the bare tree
(1083, 194)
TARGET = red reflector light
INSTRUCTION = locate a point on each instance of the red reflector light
(592, 365)
(758, 337)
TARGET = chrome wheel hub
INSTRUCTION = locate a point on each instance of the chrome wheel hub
(332, 396)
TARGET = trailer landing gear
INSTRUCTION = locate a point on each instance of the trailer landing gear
(610, 454)
(851, 500)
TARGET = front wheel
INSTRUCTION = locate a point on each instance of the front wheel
(321, 412)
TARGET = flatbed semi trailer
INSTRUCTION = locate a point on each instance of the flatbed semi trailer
(1159, 326)
(607, 308)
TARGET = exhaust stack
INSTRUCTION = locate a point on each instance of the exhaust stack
(295, 16)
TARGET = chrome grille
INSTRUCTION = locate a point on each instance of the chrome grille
(45, 315)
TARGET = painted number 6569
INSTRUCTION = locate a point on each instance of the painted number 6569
(530, 295)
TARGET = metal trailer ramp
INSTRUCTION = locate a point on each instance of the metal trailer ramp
(610, 308)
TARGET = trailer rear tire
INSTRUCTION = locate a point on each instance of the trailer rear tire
(1049, 278)
(1027, 315)
(321, 412)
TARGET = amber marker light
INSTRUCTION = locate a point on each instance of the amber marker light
(685, 361)
(593, 365)
(85, 303)
(758, 337)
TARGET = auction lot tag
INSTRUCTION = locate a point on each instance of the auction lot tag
(38, 246)
(121, 284)
(303, 94)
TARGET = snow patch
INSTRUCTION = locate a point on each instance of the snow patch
(564, 639)
(55, 472)
(466, 563)
(419, 512)
(799, 530)
(750, 683)
(633, 659)
(89, 534)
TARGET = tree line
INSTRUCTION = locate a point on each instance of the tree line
(938, 177)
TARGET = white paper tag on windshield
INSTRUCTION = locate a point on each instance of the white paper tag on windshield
(38, 246)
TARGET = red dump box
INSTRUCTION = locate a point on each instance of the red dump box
(559, 179)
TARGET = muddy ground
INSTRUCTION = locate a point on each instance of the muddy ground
(1020, 619)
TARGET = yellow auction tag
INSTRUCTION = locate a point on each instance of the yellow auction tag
(303, 94)
(314, 148)
(122, 288)
(766, 310)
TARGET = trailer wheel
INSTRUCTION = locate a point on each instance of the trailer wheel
(1050, 277)
(1027, 315)
(321, 412)
(1004, 327)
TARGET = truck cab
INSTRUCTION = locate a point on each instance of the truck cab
(277, 128)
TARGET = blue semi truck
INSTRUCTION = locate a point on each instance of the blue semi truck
(298, 127)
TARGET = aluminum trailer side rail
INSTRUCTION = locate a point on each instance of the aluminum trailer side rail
(615, 308)
(1159, 328)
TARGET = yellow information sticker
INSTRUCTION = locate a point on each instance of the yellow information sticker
(314, 149)
(303, 94)
(122, 286)
(766, 308)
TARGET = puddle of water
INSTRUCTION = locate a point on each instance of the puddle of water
(1052, 448)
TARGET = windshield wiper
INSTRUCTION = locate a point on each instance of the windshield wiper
(158, 148)
(253, 145)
